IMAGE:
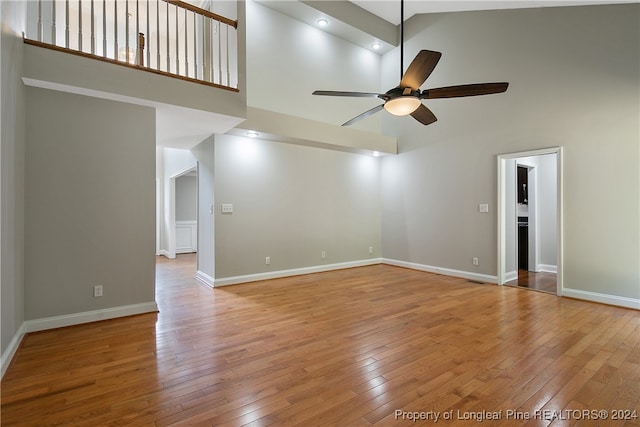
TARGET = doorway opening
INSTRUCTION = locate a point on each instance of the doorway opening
(530, 220)
(186, 211)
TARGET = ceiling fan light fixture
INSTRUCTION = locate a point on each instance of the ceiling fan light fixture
(402, 105)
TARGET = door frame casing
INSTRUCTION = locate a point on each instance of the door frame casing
(171, 209)
(501, 164)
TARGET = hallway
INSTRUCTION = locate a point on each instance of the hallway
(544, 282)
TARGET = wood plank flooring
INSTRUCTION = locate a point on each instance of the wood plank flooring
(358, 347)
(544, 282)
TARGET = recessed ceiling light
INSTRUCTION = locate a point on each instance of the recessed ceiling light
(252, 134)
(376, 154)
(322, 22)
(376, 46)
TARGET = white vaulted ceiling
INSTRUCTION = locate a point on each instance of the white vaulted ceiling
(389, 10)
(365, 22)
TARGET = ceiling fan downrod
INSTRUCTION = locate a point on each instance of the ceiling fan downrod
(401, 38)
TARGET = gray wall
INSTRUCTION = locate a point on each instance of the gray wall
(287, 60)
(12, 119)
(290, 203)
(89, 204)
(186, 198)
(547, 209)
(574, 82)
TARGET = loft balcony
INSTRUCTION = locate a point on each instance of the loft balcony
(170, 37)
(186, 61)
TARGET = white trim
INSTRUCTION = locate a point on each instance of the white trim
(170, 209)
(547, 268)
(510, 275)
(602, 298)
(501, 163)
(89, 316)
(187, 223)
(205, 279)
(225, 281)
(11, 350)
(444, 271)
(165, 253)
(185, 171)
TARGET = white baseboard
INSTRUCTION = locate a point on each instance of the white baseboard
(510, 275)
(225, 281)
(11, 350)
(165, 253)
(205, 279)
(547, 268)
(602, 298)
(89, 316)
(444, 271)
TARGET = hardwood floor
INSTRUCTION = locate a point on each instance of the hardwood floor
(358, 347)
(544, 282)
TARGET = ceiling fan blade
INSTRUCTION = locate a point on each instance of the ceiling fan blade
(352, 94)
(424, 115)
(419, 69)
(474, 89)
(363, 115)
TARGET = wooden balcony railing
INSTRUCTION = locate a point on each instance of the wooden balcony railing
(164, 36)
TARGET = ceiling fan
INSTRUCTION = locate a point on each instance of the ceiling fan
(406, 98)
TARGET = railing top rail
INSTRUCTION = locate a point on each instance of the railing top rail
(203, 12)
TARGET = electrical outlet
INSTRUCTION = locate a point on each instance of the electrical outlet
(324, 254)
(370, 250)
(475, 261)
(267, 260)
(97, 291)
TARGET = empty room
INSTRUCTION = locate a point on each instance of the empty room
(332, 213)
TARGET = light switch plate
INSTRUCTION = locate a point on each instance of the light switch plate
(483, 207)
(227, 208)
